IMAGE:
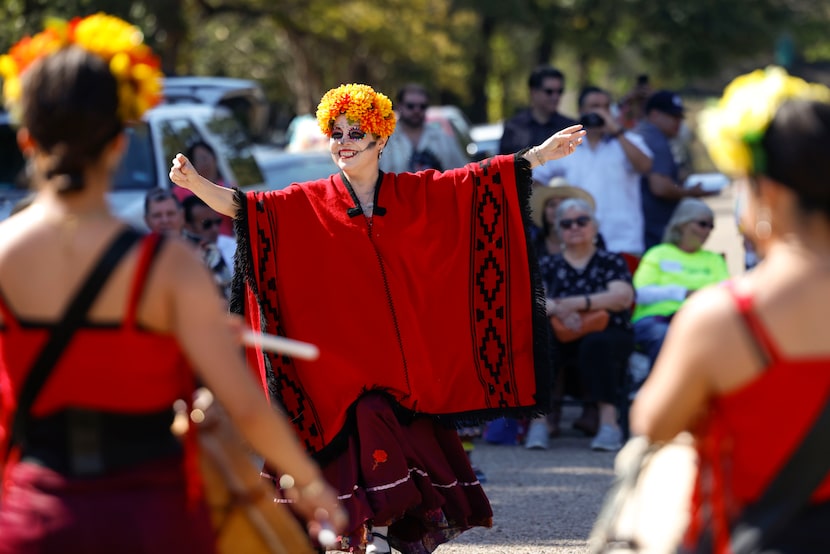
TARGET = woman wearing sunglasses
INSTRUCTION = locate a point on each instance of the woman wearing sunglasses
(671, 271)
(418, 288)
(580, 279)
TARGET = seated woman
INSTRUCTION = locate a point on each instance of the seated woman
(584, 277)
(671, 271)
(543, 203)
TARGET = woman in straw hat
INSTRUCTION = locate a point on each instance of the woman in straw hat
(585, 277)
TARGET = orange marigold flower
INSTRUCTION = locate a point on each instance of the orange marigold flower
(136, 68)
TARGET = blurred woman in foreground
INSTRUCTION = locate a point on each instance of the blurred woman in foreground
(746, 366)
(88, 457)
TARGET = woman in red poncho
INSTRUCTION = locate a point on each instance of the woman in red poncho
(421, 294)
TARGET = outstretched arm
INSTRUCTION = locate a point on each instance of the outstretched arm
(558, 145)
(219, 198)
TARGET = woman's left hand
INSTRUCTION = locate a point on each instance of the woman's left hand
(558, 145)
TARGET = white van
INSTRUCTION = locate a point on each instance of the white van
(163, 132)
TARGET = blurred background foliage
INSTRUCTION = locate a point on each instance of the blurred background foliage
(473, 53)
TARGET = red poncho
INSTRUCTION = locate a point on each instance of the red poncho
(434, 300)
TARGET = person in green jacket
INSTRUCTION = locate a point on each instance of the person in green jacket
(669, 272)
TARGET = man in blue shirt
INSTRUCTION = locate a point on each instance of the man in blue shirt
(661, 189)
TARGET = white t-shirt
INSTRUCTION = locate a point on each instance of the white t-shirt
(605, 172)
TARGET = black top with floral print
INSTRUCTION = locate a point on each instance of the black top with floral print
(562, 279)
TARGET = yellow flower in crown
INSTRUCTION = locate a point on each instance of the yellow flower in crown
(134, 65)
(361, 105)
(733, 129)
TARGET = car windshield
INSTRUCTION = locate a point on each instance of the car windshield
(236, 148)
(296, 167)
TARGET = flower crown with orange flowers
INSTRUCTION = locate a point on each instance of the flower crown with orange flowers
(361, 105)
(120, 44)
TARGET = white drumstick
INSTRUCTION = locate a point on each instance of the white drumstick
(281, 345)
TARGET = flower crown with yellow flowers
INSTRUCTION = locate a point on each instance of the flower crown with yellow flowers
(733, 129)
(120, 44)
(361, 105)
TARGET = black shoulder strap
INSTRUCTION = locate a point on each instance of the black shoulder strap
(61, 335)
(789, 492)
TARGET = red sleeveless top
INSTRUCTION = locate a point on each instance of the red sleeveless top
(117, 367)
(751, 432)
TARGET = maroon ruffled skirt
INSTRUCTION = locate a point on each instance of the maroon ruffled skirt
(413, 477)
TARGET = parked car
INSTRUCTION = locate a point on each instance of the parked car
(243, 97)
(453, 122)
(283, 168)
(486, 140)
(163, 132)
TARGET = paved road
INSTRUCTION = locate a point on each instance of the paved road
(545, 502)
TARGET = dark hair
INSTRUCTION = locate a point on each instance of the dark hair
(189, 203)
(796, 147)
(159, 194)
(542, 72)
(411, 87)
(199, 144)
(70, 107)
(590, 89)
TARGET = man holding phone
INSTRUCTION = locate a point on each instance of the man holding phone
(608, 164)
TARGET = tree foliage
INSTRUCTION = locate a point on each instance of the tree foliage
(475, 53)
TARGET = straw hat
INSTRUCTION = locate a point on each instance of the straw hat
(556, 188)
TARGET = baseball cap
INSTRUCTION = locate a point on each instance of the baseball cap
(666, 101)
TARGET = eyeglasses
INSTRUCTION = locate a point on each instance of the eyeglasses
(580, 221)
(354, 134)
(705, 224)
(552, 91)
(208, 223)
(412, 106)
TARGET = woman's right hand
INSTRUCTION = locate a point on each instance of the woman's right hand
(183, 173)
(317, 503)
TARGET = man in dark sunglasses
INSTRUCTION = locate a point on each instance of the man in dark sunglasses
(202, 227)
(542, 118)
(417, 144)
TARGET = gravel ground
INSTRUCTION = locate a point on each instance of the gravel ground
(544, 501)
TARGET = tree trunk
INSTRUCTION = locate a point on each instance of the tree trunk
(481, 65)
